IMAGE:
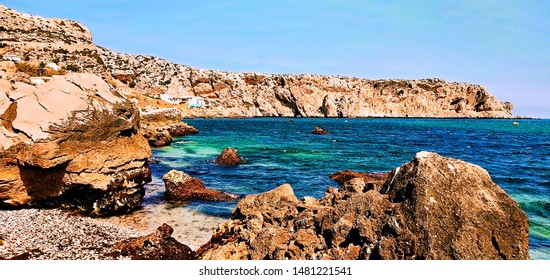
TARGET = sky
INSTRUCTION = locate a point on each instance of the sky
(502, 45)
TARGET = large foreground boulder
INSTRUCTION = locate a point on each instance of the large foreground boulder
(71, 142)
(159, 245)
(430, 208)
(180, 186)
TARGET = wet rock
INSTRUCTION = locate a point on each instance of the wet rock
(229, 157)
(181, 186)
(155, 246)
(84, 153)
(319, 130)
(430, 208)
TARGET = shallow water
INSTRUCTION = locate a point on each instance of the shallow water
(281, 150)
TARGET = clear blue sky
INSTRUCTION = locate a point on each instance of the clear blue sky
(502, 45)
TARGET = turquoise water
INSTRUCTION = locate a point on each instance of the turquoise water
(284, 151)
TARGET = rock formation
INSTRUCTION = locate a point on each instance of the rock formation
(155, 246)
(229, 94)
(181, 186)
(319, 130)
(229, 157)
(430, 208)
(71, 141)
(159, 126)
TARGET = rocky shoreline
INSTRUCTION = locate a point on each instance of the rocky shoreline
(429, 208)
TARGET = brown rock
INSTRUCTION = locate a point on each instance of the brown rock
(448, 203)
(157, 138)
(155, 246)
(181, 186)
(319, 130)
(84, 152)
(229, 157)
(159, 126)
(430, 208)
(372, 180)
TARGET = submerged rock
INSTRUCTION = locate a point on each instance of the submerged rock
(229, 157)
(71, 142)
(181, 186)
(430, 208)
(155, 246)
(319, 130)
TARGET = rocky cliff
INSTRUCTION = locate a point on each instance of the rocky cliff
(229, 94)
(73, 142)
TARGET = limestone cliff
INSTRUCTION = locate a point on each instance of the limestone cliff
(229, 94)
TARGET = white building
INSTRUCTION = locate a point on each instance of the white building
(12, 57)
(53, 66)
(174, 99)
(196, 101)
(192, 101)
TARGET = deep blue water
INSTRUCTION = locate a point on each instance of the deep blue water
(281, 150)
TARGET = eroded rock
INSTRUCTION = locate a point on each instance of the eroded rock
(159, 126)
(159, 245)
(430, 208)
(73, 142)
(181, 186)
(229, 157)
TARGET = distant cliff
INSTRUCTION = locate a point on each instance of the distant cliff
(229, 94)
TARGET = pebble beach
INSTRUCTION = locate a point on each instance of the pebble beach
(57, 234)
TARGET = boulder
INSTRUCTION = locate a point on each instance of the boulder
(181, 186)
(430, 208)
(319, 130)
(71, 142)
(229, 157)
(159, 126)
(447, 204)
(157, 138)
(159, 245)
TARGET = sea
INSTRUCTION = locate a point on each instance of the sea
(516, 153)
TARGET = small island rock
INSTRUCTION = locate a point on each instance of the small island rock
(229, 157)
(319, 130)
